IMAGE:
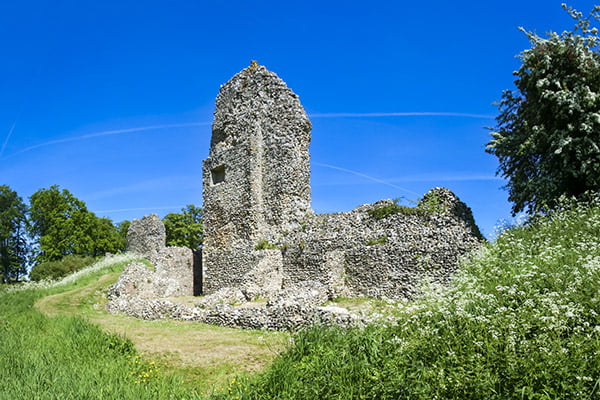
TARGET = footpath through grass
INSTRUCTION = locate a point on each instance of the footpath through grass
(520, 321)
(66, 357)
(73, 349)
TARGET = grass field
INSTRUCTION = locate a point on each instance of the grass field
(520, 320)
(58, 342)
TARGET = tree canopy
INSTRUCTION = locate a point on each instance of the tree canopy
(547, 135)
(14, 247)
(185, 228)
(64, 226)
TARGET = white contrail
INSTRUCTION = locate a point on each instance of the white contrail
(112, 132)
(401, 114)
(440, 177)
(139, 209)
(365, 176)
(166, 126)
(12, 128)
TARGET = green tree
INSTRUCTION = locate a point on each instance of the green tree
(105, 237)
(14, 247)
(547, 135)
(63, 225)
(185, 228)
(122, 229)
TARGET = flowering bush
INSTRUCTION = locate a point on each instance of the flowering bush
(519, 321)
(105, 262)
(547, 134)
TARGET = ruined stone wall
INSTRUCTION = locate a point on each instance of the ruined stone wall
(256, 180)
(356, 254)
(146, 236)
(172, 270)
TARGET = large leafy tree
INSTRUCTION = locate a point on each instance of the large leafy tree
(547, 135)
(105, 237)
(63, 225)
(185, 228)
(122, 229)
(14, 247)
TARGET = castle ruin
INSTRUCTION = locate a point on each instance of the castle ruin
(256, 181)
(263, 241)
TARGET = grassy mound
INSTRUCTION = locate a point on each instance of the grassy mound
(520, 321)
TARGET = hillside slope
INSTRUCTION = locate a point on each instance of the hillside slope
(520, 321)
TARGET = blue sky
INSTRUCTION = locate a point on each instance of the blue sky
(113, 100)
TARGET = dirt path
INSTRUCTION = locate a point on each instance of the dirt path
(203, 352)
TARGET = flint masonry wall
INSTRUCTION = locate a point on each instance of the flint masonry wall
(174, 268)
(357, 254)
(256, 180)
(256, 188)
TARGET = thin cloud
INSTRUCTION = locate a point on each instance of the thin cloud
(365, 176)
(111, 132)
(157, 184)
(402, 114)
(138, 209)
(441, 177)
(12, 128)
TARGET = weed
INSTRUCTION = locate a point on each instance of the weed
(386, 210)
(148, 264)
(431, 203)
(379, 240)
(264, 244)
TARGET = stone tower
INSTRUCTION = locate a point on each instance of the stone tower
(256, 180)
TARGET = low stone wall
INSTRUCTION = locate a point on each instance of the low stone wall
(287, 309)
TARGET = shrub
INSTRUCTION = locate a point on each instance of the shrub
(379, 240)
(58, 269)
(386, 210)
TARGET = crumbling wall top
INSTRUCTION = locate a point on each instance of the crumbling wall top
(257, 96)
(146, 236)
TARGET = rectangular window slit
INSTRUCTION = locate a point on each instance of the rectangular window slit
(218, 174)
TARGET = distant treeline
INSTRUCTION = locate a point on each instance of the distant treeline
(57, 226)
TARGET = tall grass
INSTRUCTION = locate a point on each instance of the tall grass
(520, 321)
(106, 264)
(69, 358)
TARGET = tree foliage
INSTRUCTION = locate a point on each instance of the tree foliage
(547, 135)
(63, 225)
(122, 228)
(185, 228)
(14, 247)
